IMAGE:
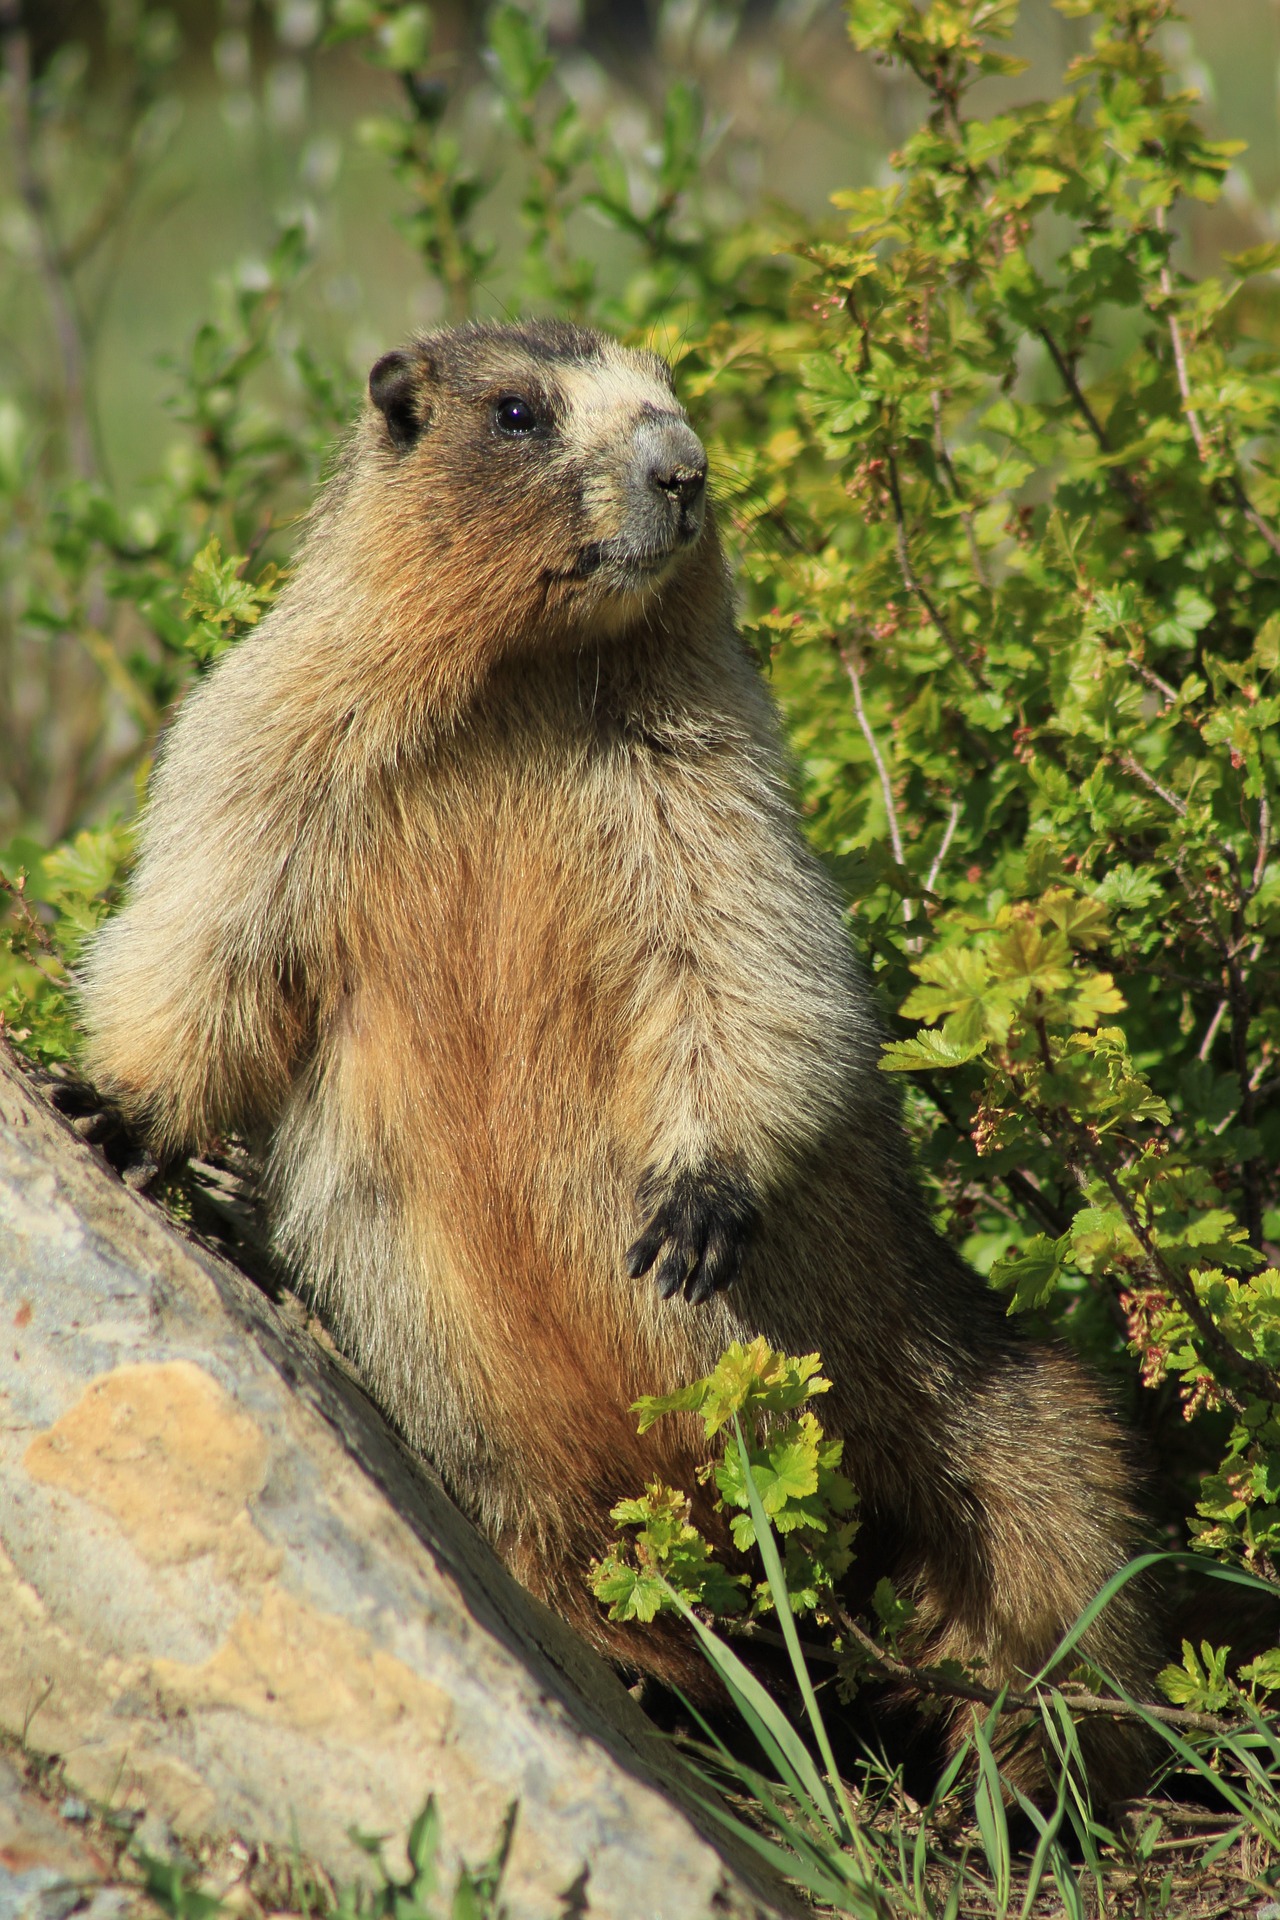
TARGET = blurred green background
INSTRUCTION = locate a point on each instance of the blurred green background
(259, 120)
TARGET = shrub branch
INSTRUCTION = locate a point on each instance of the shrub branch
(916, 587)
(931, 1683)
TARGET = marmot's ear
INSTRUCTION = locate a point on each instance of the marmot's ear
(396, 385)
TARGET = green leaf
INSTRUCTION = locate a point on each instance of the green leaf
(1201, 1681)
(928, 1048)
(873, 24)
(404, 38)
(628, 1592)
(792, 1465)
(520, 51)
(1031, 1274)
(1263, 259)
(223, 602)
(1264, 1671)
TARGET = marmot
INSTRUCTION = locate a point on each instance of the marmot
(472, 886)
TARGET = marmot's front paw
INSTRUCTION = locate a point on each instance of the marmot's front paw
(699, 1228)
(96, 1120)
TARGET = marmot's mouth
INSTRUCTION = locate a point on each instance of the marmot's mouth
(625, 566)
(618, 569)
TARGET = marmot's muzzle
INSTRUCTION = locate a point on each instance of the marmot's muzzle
(665, 487)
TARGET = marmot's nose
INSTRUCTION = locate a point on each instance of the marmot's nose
(675, 461)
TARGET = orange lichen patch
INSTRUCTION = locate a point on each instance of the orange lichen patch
(170, 1456)
(286, 1663)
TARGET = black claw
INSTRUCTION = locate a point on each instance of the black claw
(670, 1275)
(700, 1287)
(701, 1224)
(73, 1097)
(721, 1264)
(645, 1251)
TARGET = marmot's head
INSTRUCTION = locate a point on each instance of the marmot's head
(540, 478)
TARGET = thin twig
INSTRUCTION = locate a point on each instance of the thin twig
(1264, 845)
(1067, 374)
(1238, 490)
(1252, 515)
(851, 667)
(1211, 1031)
(1238, 997)
(1120, 478)
(104, 656)
(1255, 1375)
(100, 222)
(1251, 1171)
(1179, 354)
(936, 867)
(1153, 680)
(1139, 772)
(66, 324)
(938, 1685)
(916, 587)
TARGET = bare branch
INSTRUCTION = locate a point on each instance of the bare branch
(1120, 479)
(1168, 694)
(1211, 1031)
(936, 868)
(933, 1683)
(915, 586)
(1179, 353)
(851, 667)
(1139, 772)
(66, 323)
(1264, 844)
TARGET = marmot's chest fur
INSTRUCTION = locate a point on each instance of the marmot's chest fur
(471, 884)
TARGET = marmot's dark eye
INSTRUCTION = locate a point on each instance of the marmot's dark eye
(514, 415)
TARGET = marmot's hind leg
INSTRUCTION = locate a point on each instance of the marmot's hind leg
(1042, 1522)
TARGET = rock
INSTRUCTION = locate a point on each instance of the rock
(49, 1869)
(231, 1599)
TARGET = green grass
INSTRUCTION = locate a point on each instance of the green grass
(1205, 1841)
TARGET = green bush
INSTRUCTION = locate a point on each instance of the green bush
(1000, 476)
(1050, 633)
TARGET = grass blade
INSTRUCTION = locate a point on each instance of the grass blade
(988, 1806)
(1047, 1830)
(768, 1546)
(778, 1739)
(1101, 1600)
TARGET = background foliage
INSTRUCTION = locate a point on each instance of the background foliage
(996, 455)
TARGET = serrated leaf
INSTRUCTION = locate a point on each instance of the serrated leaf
(927, 1049)
(1031, 1272)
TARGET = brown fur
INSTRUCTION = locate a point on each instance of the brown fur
(472, 884)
